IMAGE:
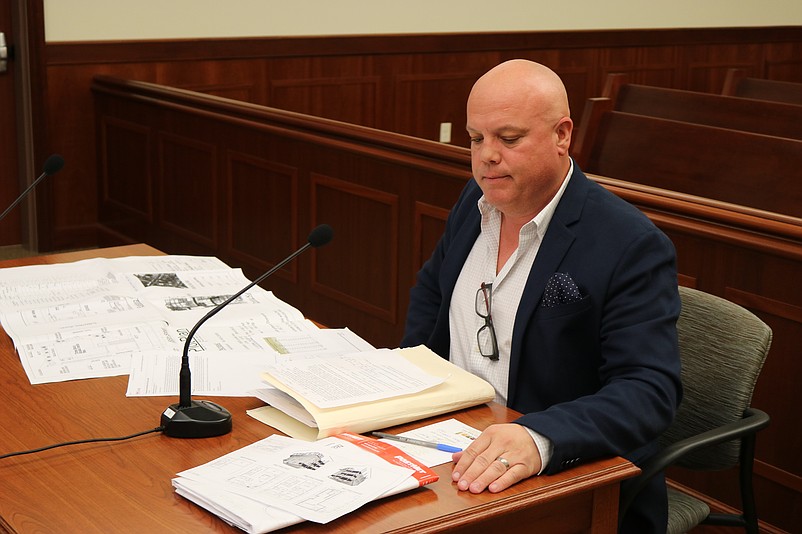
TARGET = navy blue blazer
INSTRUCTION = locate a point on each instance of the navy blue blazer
(599, 376)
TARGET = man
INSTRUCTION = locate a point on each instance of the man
(560, 294)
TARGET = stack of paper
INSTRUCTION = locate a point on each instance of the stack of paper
(106, 317)
(280, 481)
(315, 398)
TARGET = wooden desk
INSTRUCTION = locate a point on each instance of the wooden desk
(125, 486)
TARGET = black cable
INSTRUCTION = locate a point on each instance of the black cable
(92, 440)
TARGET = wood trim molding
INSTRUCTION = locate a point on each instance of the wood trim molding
(763, 304)
(365, 139)
(66, 53)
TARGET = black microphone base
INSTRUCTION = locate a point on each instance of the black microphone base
(201, 419)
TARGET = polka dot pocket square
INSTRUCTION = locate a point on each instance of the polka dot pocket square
(560, 289)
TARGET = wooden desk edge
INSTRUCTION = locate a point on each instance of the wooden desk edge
(585, 480)
(139, 249)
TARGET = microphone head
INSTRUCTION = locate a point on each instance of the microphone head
(53, 164)
(320, 235)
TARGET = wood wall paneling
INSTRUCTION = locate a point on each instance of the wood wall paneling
(705, 66)
(406, 84)
(655, 65)
(235, 91)
(239, 79)
(424, 101)
(349, 99)
(188, 188)
(125, 147)
(262, 211)
(429, 225)
(362, 273)
(782, 61)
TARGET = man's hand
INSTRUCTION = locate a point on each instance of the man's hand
(478, 467)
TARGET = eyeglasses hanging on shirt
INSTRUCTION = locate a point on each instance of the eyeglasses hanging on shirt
(486, 336)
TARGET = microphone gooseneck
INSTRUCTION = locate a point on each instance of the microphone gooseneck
(52, 165)
(201, 419)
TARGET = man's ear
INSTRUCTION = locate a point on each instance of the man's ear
(563, 132)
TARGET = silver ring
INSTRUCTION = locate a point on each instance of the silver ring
(504, 462)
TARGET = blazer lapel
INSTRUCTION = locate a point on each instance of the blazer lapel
(461, 244)
(556, 243)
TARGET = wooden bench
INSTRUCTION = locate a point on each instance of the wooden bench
(737, 83)
(757, 116)
(746, 168)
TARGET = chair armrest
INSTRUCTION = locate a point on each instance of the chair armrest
(753, 420)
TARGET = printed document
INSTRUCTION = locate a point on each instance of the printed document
(131, 316)
(229, 361)
(317, 481)
(352, 378)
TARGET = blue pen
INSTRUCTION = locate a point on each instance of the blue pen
(412, 441)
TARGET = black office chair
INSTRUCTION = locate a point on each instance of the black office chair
(722, 347)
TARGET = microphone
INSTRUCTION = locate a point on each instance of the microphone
(52, 165)
(202, 418)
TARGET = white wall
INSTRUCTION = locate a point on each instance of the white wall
(101, 20)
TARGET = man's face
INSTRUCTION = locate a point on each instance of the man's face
(518, 153)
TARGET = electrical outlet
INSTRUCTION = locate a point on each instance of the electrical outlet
(445, 132)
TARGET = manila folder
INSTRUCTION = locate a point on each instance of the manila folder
(460, 389)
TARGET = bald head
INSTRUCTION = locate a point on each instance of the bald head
(525, 81)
